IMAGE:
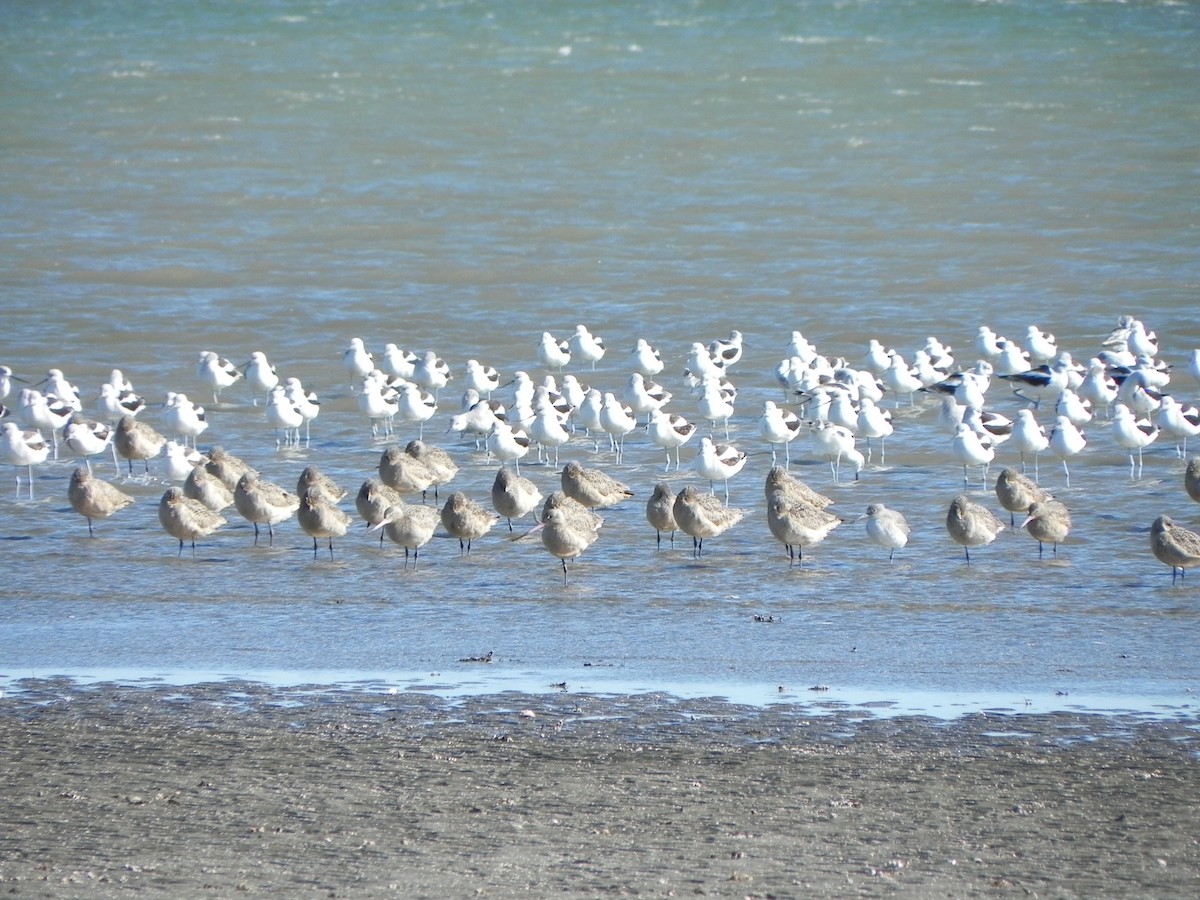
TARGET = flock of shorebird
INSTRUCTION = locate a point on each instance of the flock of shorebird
(836, 402)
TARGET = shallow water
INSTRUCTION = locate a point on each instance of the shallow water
(462, 178)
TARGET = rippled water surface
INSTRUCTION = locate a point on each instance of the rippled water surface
(462, 177)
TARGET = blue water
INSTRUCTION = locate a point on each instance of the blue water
(242, 177)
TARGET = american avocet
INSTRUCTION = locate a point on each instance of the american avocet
(137, 440)
(466, 520)
(727, 351)
(6, 379)
(206, 487)
(701, 365)
(113, 403)
(216, 373)
(1174, 545)
(899, 380)
(669, 432)
(181, 460)
(552, 353)
(379, 404)
(887, 528)
(93, 498)
(477, 420)
(185, 519)
(1140, 341)
(403, 473)
(507, 444)
(702, 516)
(397, 363)
(416, 405)
(1041, 345)
(617, 420)
(714, 404)
(971, 525)
(260, 375)
(479, 377)
(87, 439)
(877, 358)
(797, 525)
(718, 462)
(585, 346)
(226, 467)
(566, 536)
(1178, 423)
(1074, 407)
(320, 519)
(874, 422)
(644, 397)
(1137, 392)
(1132, 434)
(645, 359)
(1046, 382)
(660, 512)
(843, 408)
(263, 503)
(409, 526)
(1017, 493)
(44, 413)
(305, 402)
(431, 372)
(58, 387)
(1193, 366)
(1029, 437)
(834, 443)
(357, 361)
(778, 426)
(284, 414)
(1012, 359)
(24, 449)
(987, 343)
(1048, 522)
(312, 477)
(513, 495)
(971, 449)
(591, 487)
(547, 428)
(183, 418)
(1066, 441)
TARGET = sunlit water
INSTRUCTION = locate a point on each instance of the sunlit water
(461, 177)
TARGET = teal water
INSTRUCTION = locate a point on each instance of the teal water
(242, 177)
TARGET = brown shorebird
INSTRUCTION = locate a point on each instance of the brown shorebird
(573, 509)
(93, 498)
(410, 526)
(186, 519)
(466, 520)
(660, 512)
(513, 495)
(971, 525)
(1191, 478)
(1017, 493)
(1175, 546)
(1048, 522)
(798, 525)
(263, 503)
(226, 467)
(887, 528)
(330, 490)
(439, 463)
(566, 536)
(591, 487)
(404, 474)
(702, 515)
(779, 479)
(321, 519)
(210, 490)
(137, 440)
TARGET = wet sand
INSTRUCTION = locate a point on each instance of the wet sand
(218, 790)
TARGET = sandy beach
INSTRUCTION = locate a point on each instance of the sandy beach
(219, 790)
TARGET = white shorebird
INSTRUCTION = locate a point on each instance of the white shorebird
(835, 443)
(44, 413)
(566, 536)
(718, 462)
(284, 414)
(415, 405)
(260, 375)
(877, 358)
(1048, 522)
(1178, 423)
(1017, 493)
(305, 402)
(6, 379)
(588, 412)
(701, 365)
(553, 353)
(1041, 345)
(1046, 382)
(477, 420)
(409, 526)
(114, 403)
(431, 372)
(1132, 434)
(183, 418)
(1174, 545)
(702, 516)
(715, 404)
(216, 373)
(1097, 387)
(1074, 407)
(357, 361)
(87, 439)
(1012, 359)
(263, 503)
(669, 432)
(378, 403)
(645, 359)
(887, 528)
(778, 426)
(185, 519)
(660, 512)
(513, 495)
(93, 498)
(481, 378)
(843, 409)
(874, 422)
(210, 490)
(644, 397)
(24, 449)
(508, 444)
(987, 343)
(547, 428)
(1029, 437)
(617, 420)
(899, 380)
(971, 525)
(591, 487)
(970, 449)
(1066, 441)
(586, 346)
(466, 520)
(321, 519)
(727, 351)
(181, 460)
(797, 525)
(397, 363)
